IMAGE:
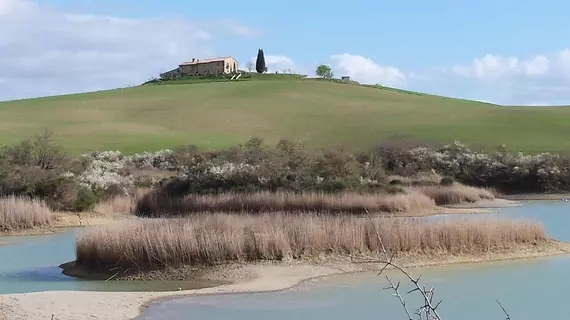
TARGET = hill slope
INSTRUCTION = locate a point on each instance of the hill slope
(220, 114)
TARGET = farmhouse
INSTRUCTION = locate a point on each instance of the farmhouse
(204, 67)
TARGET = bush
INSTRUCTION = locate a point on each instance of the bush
(86, 199)
(447, 181)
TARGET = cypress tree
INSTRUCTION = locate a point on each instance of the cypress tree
(260, 63)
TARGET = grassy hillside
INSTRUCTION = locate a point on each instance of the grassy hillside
(220, 114)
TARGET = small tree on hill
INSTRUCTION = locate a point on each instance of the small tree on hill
(324, 71)
(250, 66)
(260, 63)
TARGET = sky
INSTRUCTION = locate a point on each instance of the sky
(506, 52)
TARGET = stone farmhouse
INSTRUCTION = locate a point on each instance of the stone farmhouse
(196, 67)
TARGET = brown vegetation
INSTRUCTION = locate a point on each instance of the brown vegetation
(207, 239)
(412, 199)
(17, 213)
(455, 194)
(120, 204)
(348, 202)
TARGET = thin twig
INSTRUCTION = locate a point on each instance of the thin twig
(428, 307)
(397, 294)
(507, 316)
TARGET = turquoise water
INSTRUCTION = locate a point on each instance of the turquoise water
(30, 264)
(529, 289)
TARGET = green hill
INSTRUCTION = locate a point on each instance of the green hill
(220, 114)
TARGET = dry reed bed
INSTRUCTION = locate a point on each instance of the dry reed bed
(458, 193)
(214, 238)
(414, 199)
(18, 213)
(121, 204)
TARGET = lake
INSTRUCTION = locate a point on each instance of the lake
(31, 264)
(528, 289)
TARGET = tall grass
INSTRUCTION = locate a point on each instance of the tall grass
(455, 194)
(207, 239)
(17, 213)
(121, 204)
(156, 204)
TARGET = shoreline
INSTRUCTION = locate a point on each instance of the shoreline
(65, 220)
(245, 278)
(536, 196)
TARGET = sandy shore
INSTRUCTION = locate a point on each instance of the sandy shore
(63, 220)
(487, 204)
(262, 277)
(536, 196)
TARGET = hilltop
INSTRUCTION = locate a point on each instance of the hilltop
(216, 114)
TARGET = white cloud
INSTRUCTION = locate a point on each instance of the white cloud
(50, 52)
(279, 63)
(365, 70)
(539, 79)
(493, 67)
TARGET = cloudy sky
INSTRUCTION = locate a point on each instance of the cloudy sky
(507, 52)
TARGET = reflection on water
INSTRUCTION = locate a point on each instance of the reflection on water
(529, 289)
(30, 263)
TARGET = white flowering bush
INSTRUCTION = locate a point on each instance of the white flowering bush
(112, 168)
(163, 160)
(106, 169)
(515, 172)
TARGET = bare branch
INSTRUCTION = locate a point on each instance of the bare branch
(428, 308)
(507, 316)
(397, 294)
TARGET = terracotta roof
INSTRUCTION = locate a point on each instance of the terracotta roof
(204, 61)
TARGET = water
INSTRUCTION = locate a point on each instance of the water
(529, 289)
(30, 264)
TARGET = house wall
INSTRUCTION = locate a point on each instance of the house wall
(230, 65)
(209, 68)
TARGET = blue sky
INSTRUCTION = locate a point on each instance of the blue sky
(508, 52)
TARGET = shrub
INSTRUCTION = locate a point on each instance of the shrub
(86, 199)
(39, 152)
(447, 181)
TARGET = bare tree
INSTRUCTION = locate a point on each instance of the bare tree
(427, 311)
(250, 66)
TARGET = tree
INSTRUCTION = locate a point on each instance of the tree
(324, 71)
(260, 62)
(250, 66)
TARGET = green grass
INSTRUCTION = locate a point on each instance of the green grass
(321, 113)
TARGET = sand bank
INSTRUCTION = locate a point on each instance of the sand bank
(487, 204)
(537, 196)
(63, 220)
(260, 277)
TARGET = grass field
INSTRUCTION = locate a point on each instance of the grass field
(220, 114)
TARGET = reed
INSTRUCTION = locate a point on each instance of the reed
(214, 238)
(156, 204)
(120, 204)
(18, 213)
(455, 194)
